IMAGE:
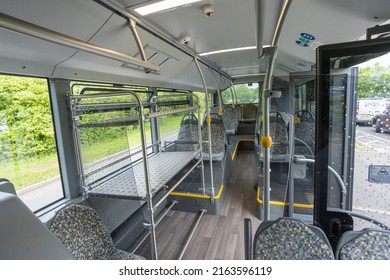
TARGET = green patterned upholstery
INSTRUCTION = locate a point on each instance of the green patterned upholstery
(368, 244)
(80, 229)
(290, 239)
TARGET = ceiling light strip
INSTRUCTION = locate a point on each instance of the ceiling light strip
(228, 50)
(162, 6)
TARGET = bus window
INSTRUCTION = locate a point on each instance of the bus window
(170, 124)
(246, 93)
(227, 96)
(28, 153)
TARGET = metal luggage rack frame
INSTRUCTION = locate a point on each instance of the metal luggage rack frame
(142, 179)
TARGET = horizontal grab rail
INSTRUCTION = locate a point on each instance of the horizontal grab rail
(113, 122)
(29, 29)
(165, 113)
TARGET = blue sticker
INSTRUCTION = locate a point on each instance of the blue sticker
(308, 36)
(302, 44)
(305, 39)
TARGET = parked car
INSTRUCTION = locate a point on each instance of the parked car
(381, 122)
(366, 109)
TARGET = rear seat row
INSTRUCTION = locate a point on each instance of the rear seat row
(222, 124)
(233, 115)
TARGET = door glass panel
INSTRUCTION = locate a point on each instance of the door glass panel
(358, 153)
(371, 192)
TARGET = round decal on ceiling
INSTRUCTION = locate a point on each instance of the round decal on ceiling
(305, 39)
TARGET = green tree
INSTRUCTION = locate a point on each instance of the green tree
(25, 107)
(374, 82)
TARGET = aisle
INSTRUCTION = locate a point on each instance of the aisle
(217, 237)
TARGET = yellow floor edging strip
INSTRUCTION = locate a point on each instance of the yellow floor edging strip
(281, 203)
(238, 142)
(194, 195)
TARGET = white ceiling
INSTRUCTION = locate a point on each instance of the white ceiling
(233, 25)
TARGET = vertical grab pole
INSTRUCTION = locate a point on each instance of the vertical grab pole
(200, 145)
(208, 121)
(234, 93)
(266, 108)
(149, 196)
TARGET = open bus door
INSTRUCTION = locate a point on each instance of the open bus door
(364, 169)
(303, 99)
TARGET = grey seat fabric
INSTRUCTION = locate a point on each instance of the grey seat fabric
(187, 132)
(290, 239)
(305, 139)
(249, 112)
(82, 232)
(230, 119)
(367, 244)
(279, 150)
(218, 141)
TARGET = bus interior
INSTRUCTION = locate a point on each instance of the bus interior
(203, 129)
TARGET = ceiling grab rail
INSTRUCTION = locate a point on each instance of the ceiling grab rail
(132, 25)
(260, 18)
(117, 8)
(208, 121)
(267, 86)
(32, 30)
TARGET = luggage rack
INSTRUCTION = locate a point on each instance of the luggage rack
(120, 175)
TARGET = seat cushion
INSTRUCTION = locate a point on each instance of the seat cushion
(82, 232)
(368, 244)
(287, 239)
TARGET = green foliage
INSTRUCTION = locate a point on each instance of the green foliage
(245, 94)
(374, 82)
(25, 107)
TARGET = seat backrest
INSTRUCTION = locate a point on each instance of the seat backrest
(218, 141)
(305, 138)
(23, 236)
(278, 129)
(187, 132)
(81, 230)
(367, 244)
(249, 112)
(279, 135)
(290, 239)
(230, 119)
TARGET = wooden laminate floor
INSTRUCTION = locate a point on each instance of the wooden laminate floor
(217, 237)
